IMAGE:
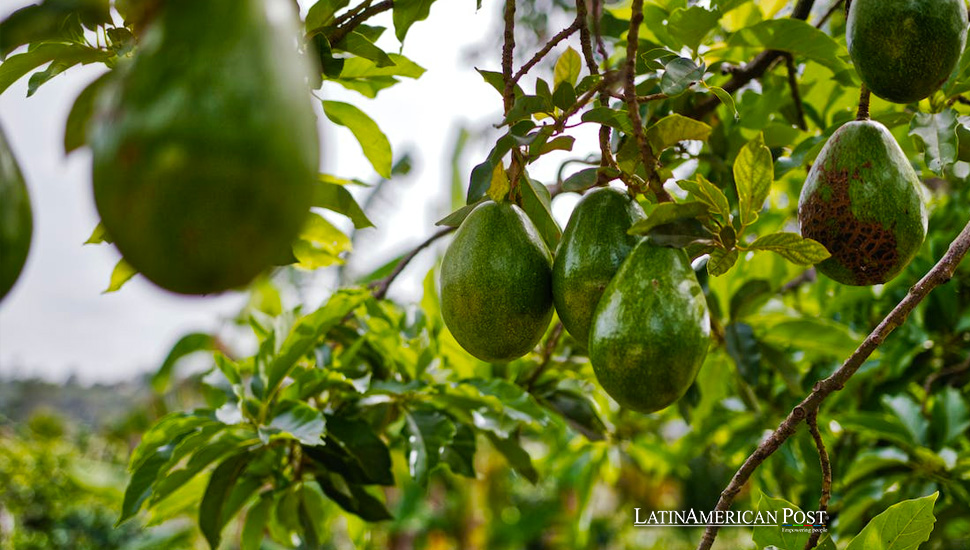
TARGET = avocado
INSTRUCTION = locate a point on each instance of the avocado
(205, 146)
(496, 283)
(592, 248)
(862, 202)
(16, 218)
(651, 329)
(904, 50)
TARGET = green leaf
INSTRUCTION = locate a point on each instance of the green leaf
(359, 45)
(679, 74)
(429, 432)
(497, 81)
(742, 347)
(459, 455)
(793, 247)
(691, 25)
(910, 415)
(903, 526)
(753, 174)
(362, 445)
(578, 411)
(353, 498)
(526, 106)
(358, 67)
(322, 13)
(567, 70)
(51, 21)
(951, 416)
(514, 400)
(310, 329)
(478, 184)
(256, 520)
(188, 344)
(668, 212)
(372, 141)
(565, 96)
(121, 274)
(746, 300)
(675, 128)
(818, 335)
(455, 218)
(709, 194)
(99, 235)
(18, 65)
(296, 420)
(936, 136)
(536, 202)
(320, 244)
(581, 180)
(212, 509)
(76, 128)
(774, 535)
(726, 99)
(516, 456)
(140, 485)
(721, 261)
(798, 38)
(408, 12)
(338, 199)
(609, 117)
(876, 426)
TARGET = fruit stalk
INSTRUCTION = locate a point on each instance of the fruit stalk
(863, 112)
(939, 274)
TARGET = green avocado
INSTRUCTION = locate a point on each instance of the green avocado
(496, 283)
(650, 330)
(205, 147)
(862, 202)
(593, 246)
(904, 50)
(16, 219)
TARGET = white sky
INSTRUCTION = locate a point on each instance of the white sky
(56, 322)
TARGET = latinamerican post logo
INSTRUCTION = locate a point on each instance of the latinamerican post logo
(789, 520)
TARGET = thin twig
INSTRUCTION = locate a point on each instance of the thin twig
(939, 274)
(863, 112)
(642, 98)
(957, 99)
(341, 32)
(344, 17)
(550, 347)
(823, 460)
(633, 107)
(562, 35)
(381, 286)
(756, 68)
(585, 41)
(835, 7)
(795, 96)
(508, 47)
(597, 15)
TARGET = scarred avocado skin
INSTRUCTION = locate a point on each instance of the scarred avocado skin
(205, 146)
(16, 218)
(861, 200)
(594, 244)
(651, 329)
(496, 283)
(904, 50)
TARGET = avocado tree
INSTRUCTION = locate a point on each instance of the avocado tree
(685, 275)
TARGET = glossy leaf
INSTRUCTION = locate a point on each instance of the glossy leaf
(428, 433)
(793, 247)
(936, 134)
(903, 526)
(372, 141)
(753, 174)
(337, 198)
(536, 202)
(668, 212)
(674, 128)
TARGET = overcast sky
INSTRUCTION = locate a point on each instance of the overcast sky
(56, 321)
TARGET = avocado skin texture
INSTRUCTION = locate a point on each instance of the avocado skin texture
(650, 330)
(904, 50)
(594, 244)
(862, 202)
(496, 283)
(206, 148)
(16, 218)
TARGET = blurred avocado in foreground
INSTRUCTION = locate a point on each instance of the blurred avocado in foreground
(16, 218)
(496, 283)
(205, 146)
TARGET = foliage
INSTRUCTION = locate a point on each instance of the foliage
(361, 423)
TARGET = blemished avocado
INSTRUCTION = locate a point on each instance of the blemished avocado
(651, 329)
(904, 50)
(862, 202)
(205, 146)
(496, 283)
(594, 244)
(16, 218)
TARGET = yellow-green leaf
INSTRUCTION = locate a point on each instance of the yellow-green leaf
(119, 276)
(675, 128)
(372, 141)
(721, 261)
(753, 174)
(567, 69)
(320, 244)
(793, 247)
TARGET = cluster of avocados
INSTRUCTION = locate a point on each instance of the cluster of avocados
(205, 145)
(637, 306)
(862, 198)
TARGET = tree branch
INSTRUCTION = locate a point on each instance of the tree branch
(939, 274)
(835, 7)
(508, 47)
(823, 459)
(344, 17)
(756, 68)
(550, 347)
(562, 35)
(630, 93)
(795, 96)
(381, 286)
(341, 32)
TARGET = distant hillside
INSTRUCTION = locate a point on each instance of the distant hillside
(95, 405)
